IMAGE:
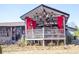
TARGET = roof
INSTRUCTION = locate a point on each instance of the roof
(12, 24)
(70, 28)
(40, 8)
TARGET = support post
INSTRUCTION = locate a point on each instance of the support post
(43, 43)
(64, 33)
(34, 41)
(39, 42)
(11, 32)
(57, 42)
(26, 31)
(52, 42)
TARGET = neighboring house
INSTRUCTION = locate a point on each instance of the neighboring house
(44, 24)
(10, 31)
(70, 34)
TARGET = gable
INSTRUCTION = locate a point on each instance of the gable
(42, 7)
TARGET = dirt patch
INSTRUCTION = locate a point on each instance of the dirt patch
(39, 49)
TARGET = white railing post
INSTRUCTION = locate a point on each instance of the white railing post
(43, 36)
(43, 32)
(32, 33)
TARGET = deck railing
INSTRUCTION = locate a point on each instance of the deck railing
(45, 33)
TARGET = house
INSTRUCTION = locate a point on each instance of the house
(45, 24)
(10, 31)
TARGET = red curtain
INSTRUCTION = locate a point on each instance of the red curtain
(33, 24)
(30, 23)
(60, 23)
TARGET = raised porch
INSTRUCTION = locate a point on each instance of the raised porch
(46, 35)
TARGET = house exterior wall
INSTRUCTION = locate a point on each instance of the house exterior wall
(30, 32)
(8, 35)
(5, 34)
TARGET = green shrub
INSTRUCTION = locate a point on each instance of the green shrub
(51, 44)
(36, 44)
(0, 49)
(61, 43)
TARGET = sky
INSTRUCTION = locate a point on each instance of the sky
(12, 12)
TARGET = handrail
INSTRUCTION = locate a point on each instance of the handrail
(45, 33)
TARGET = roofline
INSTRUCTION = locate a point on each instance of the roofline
(12, 24)
(46, 7)
(30, 11)
(70, 27)
(55, 9)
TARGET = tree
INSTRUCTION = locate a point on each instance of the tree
(76, 33)
(73, 25)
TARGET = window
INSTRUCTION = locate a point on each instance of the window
(4, 32)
